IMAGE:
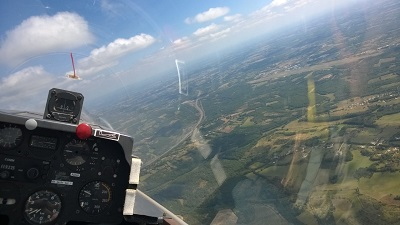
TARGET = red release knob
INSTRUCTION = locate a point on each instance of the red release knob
(83, 131)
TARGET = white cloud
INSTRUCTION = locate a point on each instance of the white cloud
(206, 30)
(297, 4)
(92, 68)
(276, 3)
(269, 13)
(22, 89)
(107, 55)
(210, 14)
(41, 34)
(181, 43)
(216, 35)
(233, 18)
(221, 33)
(27, 89)
(22, 75)
(107, 6)
(111, 8)
(181, 40)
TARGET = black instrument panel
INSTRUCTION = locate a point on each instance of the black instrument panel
(50, 176)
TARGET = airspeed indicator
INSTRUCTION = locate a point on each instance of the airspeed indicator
(95, 197)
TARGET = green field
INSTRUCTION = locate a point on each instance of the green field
(391, 120)
(312, 169)
(248, 122)
(366, 135)
(381, 78)
(279, 171)
(380, 185)
(358, 161)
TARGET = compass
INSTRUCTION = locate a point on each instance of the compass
(63, 106)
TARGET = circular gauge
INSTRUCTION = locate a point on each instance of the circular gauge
(76, 153)
(95, 197)
(10, 136)
(42, 207)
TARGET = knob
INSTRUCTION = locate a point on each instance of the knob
(5, 174)
(83, 131)
(32, 173)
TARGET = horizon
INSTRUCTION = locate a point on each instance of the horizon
(112, 54)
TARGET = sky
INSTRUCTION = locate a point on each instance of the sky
(116, 43)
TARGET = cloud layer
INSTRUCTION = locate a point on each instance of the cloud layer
(276, 3)
(233, 18)
(107, 55)
(206, 30)
(210, 14)
(14, 88)
(41, 34)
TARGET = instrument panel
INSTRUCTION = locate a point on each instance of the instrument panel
(50, 176)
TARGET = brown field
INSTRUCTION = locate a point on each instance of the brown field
(321, 66)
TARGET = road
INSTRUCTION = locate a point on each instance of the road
(198, 106)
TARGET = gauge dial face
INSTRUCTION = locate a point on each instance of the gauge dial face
(42, 207)
(10, 136)
(95, 197)
(64, 105)
(77, 153)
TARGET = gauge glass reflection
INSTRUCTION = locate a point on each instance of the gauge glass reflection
(42, 207)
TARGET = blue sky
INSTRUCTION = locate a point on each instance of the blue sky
(119, 42)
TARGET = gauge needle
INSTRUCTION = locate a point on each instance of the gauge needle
(87, 192)
(34, 211)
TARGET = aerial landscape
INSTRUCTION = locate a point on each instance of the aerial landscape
(298, 126)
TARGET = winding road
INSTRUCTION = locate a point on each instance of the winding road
(198, 106)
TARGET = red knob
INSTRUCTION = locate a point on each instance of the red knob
(83, 131)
